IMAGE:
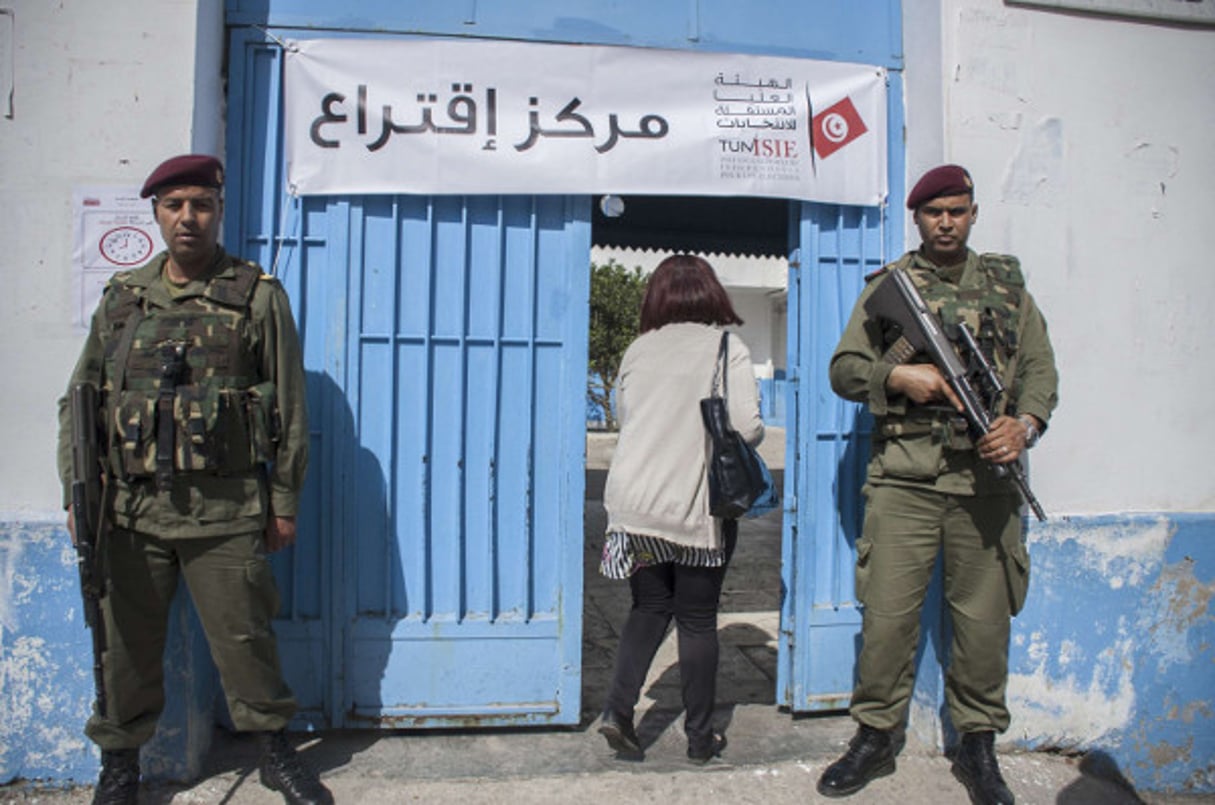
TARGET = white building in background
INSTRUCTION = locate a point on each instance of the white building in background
(757, 287)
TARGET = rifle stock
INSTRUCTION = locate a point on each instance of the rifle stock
(88, 514)
(896, 299)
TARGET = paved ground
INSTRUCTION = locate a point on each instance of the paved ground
(772, 757)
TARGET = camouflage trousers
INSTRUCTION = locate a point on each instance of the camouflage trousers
(986, 574)
(230, 581)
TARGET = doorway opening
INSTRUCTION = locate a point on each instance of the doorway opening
(746, 240)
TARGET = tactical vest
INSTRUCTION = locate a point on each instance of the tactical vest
(181, 386)
(992, 311)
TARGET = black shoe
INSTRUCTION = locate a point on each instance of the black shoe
(282, 770)
(619, 733)
(701, 755)
(870, 755)
(118, 783)
(975, 766)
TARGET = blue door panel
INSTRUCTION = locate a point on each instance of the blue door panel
(426, 694)
(468, 425)
(864, 31)
(835, 247)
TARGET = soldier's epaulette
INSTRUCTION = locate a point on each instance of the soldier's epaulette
(118, 287)
(870, 277)
(262, 276)
(1004, 267)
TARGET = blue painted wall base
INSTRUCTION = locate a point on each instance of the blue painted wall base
(46, 670)
(1114, 653)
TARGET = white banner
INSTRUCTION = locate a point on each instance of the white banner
(493, 117)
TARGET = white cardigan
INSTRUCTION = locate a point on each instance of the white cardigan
(656, 485)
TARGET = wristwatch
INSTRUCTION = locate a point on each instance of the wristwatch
(1031, 430)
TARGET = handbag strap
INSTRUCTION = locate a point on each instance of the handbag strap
(719, 369)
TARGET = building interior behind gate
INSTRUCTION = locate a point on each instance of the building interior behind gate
(746, 242)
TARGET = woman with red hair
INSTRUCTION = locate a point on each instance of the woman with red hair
(660, 535)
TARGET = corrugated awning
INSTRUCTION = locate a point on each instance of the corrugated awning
(754, 227)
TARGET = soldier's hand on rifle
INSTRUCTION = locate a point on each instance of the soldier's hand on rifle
(280, 533)
(922, 383)
(71, 524)
(1005, 441)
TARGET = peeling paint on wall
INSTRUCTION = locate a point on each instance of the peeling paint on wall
(1148, 169)
(10, 559)
(1114, 650)
(1179, 605)
(1074, 687)
(32, 711)
(45, 678)
(991, 47)
(1035, 175)
(1079, 708)
(1122, 553)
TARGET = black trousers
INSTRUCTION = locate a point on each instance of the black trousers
(691, 595)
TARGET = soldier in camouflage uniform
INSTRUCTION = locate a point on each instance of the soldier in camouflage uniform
(206, 443)
(931, 490)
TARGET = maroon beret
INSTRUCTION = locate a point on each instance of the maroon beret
(943, 180)
(197, 170)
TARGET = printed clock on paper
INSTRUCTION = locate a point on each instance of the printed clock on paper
(126, 246)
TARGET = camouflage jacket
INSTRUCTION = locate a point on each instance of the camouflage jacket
(927, 446)
(241, 445)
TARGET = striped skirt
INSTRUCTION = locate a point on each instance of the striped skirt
(624, 554)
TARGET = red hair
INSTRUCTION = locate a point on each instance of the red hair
(684, 288)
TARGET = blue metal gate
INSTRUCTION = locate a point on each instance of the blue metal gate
(445, 340)
(826, 447)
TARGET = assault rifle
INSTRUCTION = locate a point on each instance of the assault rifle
(88, 514)
(897, 300)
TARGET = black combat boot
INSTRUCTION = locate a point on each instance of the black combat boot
(118, 783)
(976, 767)
(282, 770)
(870, 755)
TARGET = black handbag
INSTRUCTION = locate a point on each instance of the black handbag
(736, 475)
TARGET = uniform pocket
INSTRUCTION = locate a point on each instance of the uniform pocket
(135, 431)
(863, 548)
(215, 431)
(196, 415)
(1016, 566)
(261, 404)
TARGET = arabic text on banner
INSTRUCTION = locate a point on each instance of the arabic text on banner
(462, 117)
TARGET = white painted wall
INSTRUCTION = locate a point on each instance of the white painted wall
(759, 311)
(1089, 141)
(1086, 136)
(102, 92)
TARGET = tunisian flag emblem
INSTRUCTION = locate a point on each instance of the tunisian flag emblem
(835, 127)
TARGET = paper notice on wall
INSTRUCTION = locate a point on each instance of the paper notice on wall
(114, 231)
